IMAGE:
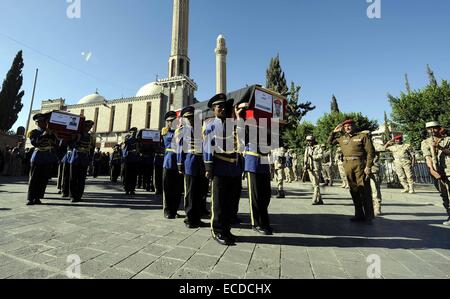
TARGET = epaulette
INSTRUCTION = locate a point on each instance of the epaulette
(164, 131)
(179, 130)
(30, 133)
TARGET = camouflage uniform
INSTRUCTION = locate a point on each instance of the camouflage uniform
(313, 164)
(339, 160)
(375, 180)
(279, 164)
(441, 164)
(327, 166)
(403, 165)
(295, 165)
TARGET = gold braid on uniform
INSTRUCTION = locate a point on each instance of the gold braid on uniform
(164, 131)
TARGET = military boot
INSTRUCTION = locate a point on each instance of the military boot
(411, 189)
(376, 207)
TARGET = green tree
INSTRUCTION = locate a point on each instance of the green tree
(431, 76)
(296, 138)
(334, 105)
(387, 130)
(10, 95)
(407, 86)
(275, 78)
(326, 124)
(412, 111)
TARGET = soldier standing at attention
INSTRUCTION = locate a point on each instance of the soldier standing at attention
(114, 163)
(327, 165)
(376, 179)
(258, 174)
(172, 179)
(339, 160)
(223, 168)
(404, 161)
(81, 158)
(358, 153)
(279, 163)
(190, 164)
(131, 162)
(436, 150)
(312, 162)
(42, 159)
(295, 165)
(158, 164)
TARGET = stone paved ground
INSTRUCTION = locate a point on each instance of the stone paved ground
(120, 237)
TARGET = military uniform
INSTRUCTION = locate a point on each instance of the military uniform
(295, 166)
(225, 168)
(131, 160)
(288, 168)
(339, 161)
(190, 163)
(80, 159)
(327, 167)
(358, 153)
(115, 164)
(257, 167)
(158, 164)
(312, 161)
(279, 163)
(441, 164)
(96, 163)
(403, 165)
(172, 179)
(376, 179)
(44, 156)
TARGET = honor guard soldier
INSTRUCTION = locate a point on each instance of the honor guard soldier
(223, 168)
(313, 165)
(190, 164)
(115, 163)
(339, 161)
(131, 162)
(327, 165)
(96, 163)
(404, 161)
(44, 156)
(436, 150)
(146, 152)
(358, 153)
(172, 179)
(279, 162)
(257, 167)
(158, 165)
(81, 158)
(65, 182)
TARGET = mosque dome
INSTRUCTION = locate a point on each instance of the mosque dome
(149, 89)
(92, 99)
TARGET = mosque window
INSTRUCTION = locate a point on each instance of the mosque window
(187, 68)
(111, 119)
(130, 112)
(148, 116)
(181, 66)
(171, 99)
(82, 112)
(172, 68)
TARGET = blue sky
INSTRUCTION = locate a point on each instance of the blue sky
(327, 46)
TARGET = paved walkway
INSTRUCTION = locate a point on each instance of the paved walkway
(120, 237)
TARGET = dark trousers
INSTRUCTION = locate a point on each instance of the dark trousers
(259, 190)
(360, 189)
(193, 198)
(236, 200)
(96, 169)
(38, 180)
(114, 173)
(65, 181)
(60, 176)
(130, 176)
(205, 190)
(173, 189)
(225, 190)
(443, 186)
(158, 179)
(77, 183)
(147, 177)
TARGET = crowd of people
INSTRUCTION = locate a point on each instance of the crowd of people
(185, 168)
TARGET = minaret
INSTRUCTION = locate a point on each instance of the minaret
(179, 62)
(221, 65)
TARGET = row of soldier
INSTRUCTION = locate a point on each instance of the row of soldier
(224, 169)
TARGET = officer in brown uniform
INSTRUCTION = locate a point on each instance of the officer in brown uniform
(436, 150)
(358, 153)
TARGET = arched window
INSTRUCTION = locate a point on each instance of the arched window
(181, 67)
(172, 68)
